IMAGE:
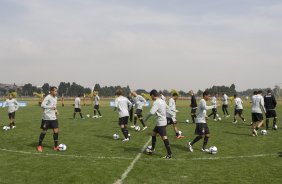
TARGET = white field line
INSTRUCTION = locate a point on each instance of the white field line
(130, 158)
(131, 166)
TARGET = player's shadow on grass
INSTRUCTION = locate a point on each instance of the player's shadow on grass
(234, 133)
(35, 144)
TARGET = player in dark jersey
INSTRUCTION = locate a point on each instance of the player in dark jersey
(270, 105)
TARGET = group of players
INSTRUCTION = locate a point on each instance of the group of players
(165, 114)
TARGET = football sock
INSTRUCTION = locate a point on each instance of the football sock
(196, 139)
(274, 121)
(81, 115)
(99, 113)
(154, 141)
(125, 132)
(94, 112)
(142, 122)
(167, 146)
(74, 115)
(13, 123)
(41, 138)
(267, 123)
(56, 139)
(206, 140)
(135, 120)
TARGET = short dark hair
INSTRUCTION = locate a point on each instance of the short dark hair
(53, 88)
(205, 93)
(269, 91)
(260, 92)
(174, 94)
(79, 95)
(154, 93)
(255, 92)
(235, 95)
(119, 92)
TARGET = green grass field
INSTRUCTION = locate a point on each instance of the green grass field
(94, 157)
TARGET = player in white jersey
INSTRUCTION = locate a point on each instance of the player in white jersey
(202, 129)
(162, 96)
(139, 102)
(257, 112)
(77, 107)
(224, 100)
(123, 105)
(238, 109)
(96, 105)
(159, 109)
(214, 110)
(171, 115)
(49, 119)
(12, 106)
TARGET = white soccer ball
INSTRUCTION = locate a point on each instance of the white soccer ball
(88, 115)
(187, 120)
(137, 128)
(263, 132)
(5, 128)
(149, 149)
(115, 136)
(62, 147)
(213, 150)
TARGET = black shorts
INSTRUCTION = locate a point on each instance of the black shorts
(77, 109)
(49, 124)
(202, 129)
(193, 111)
(161, 130)
(257, 117)
(138, 112)
(97, 107)
(238, 112)
(225, 106)
(271, 114)
(123, 120)
(170, 121)
(12, 115)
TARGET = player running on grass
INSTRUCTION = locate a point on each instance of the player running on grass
(139, 102)
(257, 110)
(159, 109)
(202, 129)
(238, 109)
(123, 105)
(12, 105)
(49, 119)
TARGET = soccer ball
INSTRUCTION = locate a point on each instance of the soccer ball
(187, 120)
(149, 149)
(5, 128)
(219, 119)
(137, 128)
(129, 135)
(263, 132)
(115, 136)
(213, 150)
(88, 116)
(62, 147)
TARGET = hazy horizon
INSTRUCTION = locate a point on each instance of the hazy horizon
(146, 44)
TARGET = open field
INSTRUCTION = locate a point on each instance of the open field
(94, 157)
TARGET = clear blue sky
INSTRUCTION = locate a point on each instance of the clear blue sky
(163, 44)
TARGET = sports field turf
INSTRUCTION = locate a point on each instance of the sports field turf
(94, 157)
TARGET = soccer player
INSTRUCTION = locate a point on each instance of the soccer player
(257, 109)
(139, 102)
(238, 109)
(225, 105)
(131, 109)
(49, 119)
(214, 109)
(159, 109)
(123, 105)
(171, 115)
(77, 107)
(96, 105)
(270, 105)
(202, 129)
(193, 106)
(13, 106)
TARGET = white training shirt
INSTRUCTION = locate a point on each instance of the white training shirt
(238, 103)
(12, 105)
(139, 102)
(257, 104)
(171, 111)
(214, 102)
(163, 97)
(202, 111)
(77, 103)
(48, 105)
(96, 100)
(225, 99)
(159, 108)
(123, 105)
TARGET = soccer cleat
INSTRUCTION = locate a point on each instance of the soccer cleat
(133, 126)
(100, 116)
(56, 148)
(144, 128)
(149, 151)
(167, 157)
(180, 137)
(205, 150)
(125, 140)
(39, 148)
(215, 119)
(235, 122)
(94, 116)
(14, 127)
(190, 147)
